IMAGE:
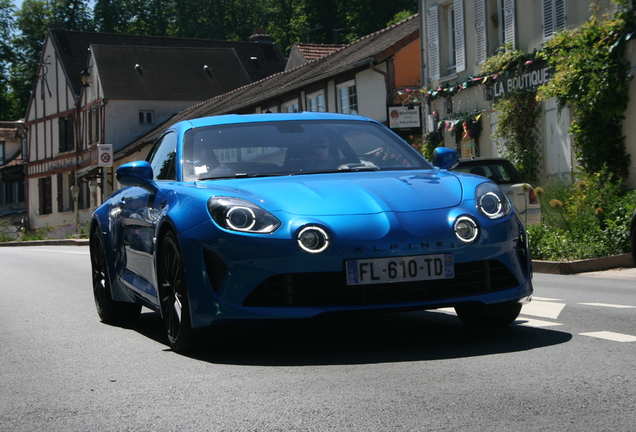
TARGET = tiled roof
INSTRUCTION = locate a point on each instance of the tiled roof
(315, 51)
(302, 53)
(168, 73)
(259, 59)
(366, 51)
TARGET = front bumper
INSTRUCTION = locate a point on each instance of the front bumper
(250, 277)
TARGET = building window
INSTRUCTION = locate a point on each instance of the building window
(316, 102)
(481, 44)
(146, 117)
(45, 197)
(66, 134)
(64, 199)
(84, 198)
(291, 106)
(553, 17)
(508, 23)
(347, 98)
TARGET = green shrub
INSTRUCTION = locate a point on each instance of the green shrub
(582, 220)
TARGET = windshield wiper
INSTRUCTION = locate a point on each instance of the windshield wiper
(241, 175)
(357, 166)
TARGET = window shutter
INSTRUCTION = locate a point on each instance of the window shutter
(553, 17)
(433, 43)
(41, 192)
(48, 196)
(70, 133)
(61, 125)
(460, 40)
(60, 193)
(480, 31)
(509, 22)
(559, 15)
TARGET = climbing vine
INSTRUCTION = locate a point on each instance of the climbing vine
(591, 77)
(518, 113)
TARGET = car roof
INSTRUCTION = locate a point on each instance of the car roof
(268, 117)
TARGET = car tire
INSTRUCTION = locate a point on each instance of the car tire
(488, 315)
(173, 293)
(110, 311)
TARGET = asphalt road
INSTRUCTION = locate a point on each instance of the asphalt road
(568, 364)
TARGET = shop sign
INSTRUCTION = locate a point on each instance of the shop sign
(401, 117)
(533, 76)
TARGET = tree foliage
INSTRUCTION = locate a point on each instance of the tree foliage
(23, 31)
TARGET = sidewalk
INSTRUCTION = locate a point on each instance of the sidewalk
(619, 273)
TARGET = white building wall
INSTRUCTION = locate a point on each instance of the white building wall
(121, 121)
(371, 88)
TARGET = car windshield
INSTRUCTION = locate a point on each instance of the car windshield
(501, 172)
(293, 147)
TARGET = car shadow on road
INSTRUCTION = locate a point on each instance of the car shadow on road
(399, 337)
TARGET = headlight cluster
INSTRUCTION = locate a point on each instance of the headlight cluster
(237, 214)
(491, 201)
(313, 239)
(466, 229)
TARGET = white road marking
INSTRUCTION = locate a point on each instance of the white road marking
(543, 309)
(545, 299)
(609, 305)
(616, 337)
(531, 322)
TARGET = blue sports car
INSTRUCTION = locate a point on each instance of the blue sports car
(298, 215)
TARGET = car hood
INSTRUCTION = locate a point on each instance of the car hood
(349, 193)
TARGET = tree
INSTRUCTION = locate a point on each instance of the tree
(7, 102)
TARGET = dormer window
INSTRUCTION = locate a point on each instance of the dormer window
(146, 117)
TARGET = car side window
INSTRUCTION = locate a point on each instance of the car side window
(163, 158)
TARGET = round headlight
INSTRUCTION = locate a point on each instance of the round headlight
(490, 204)
(240, 218)
(237, 214)
(313, 239)
(466, 229)
(492, 201)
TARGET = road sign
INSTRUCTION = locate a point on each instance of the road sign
(104, 154)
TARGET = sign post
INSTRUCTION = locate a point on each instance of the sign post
(105, 160)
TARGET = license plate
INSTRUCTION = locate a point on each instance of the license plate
(402, 269)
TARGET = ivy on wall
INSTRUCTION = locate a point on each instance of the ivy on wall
(518, 113)
(591, 76)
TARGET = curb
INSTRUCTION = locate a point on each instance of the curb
(583, 266)
(61, 242)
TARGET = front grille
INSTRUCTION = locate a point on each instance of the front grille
(330, 289)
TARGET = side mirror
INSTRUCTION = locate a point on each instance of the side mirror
(445, 158)
(137, 174)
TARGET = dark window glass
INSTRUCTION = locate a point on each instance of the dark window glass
(162, 158)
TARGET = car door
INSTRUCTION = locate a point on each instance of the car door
(139, 217)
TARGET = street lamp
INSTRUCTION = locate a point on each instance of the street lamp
(75, 194)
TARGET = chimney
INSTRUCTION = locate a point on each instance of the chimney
(259, 36)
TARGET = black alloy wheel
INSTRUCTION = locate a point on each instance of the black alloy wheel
(109, 310)
(173, 292)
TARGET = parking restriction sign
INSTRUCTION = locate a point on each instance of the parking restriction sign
(104, 154)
